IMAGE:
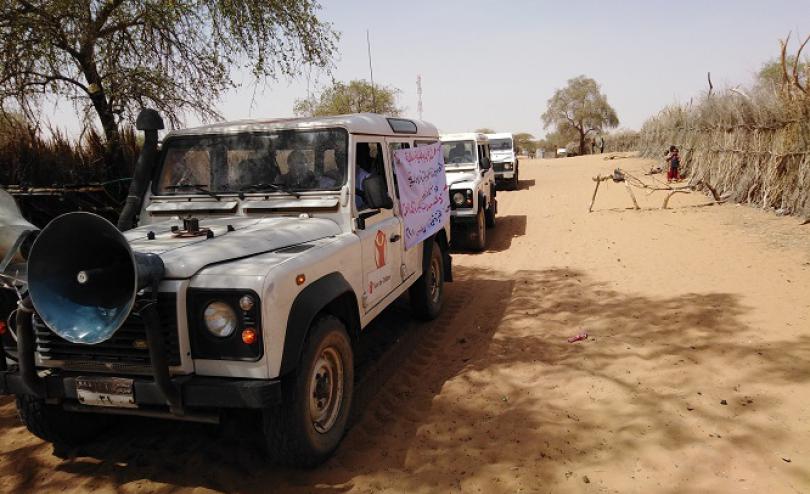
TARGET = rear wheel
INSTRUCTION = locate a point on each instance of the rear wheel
(64, 429)
(478, 238)
(426, 293)
(310, 424)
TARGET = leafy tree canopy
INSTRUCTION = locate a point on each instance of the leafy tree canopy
(356, 96)
(580, 108)
(115, 57)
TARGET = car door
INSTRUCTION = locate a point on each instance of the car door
(412, 258)
(381, 237)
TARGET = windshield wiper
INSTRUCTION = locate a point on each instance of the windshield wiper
(261, 187)
(195, 187)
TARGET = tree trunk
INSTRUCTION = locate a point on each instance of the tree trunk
(581, 143)
(114, 153)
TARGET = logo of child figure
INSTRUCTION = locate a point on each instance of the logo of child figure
(379, 251)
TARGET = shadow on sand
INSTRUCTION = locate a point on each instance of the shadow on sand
(404, 426)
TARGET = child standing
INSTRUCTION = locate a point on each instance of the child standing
(674, 160)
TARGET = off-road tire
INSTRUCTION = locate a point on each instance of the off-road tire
(428, 292)
(513, 184)
(490, 215)
(66, 430)
(290, 433)
(478, 236)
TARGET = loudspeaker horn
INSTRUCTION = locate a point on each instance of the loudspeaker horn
(83, 277)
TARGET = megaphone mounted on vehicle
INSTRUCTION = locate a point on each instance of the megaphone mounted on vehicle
(83, 277)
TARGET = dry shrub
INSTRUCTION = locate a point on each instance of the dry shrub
(28, 158)
(29, 161)
(621, 140)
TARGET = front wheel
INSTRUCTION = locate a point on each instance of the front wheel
(478, 238)
(307, 428)
(66, 430)
(426, 293)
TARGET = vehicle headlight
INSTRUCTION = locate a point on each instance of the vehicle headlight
(507, 166)
(459, 198)
(220, 319)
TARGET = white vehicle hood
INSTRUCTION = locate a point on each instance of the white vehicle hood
(457, 179)
(185, 256)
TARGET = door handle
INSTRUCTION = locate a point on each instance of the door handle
(395, 237)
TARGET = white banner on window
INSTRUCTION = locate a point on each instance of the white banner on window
(423, 197)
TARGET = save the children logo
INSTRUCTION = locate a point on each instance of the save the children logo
(379, 251)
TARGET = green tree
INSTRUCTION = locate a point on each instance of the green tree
(525, 142)
(580, 108)
(356, 96)
(114, 57)
(772, 73)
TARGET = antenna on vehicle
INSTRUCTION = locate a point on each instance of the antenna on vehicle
(419, 95)
(371, 70)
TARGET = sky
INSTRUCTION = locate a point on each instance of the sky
(496, 64)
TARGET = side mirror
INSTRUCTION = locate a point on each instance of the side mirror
(376, 193)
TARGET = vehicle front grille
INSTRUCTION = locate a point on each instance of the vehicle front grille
(126, 349)
(498, 167)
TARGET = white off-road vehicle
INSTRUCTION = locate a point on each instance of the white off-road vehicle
(471, 181)
(504, 159)
(263, 249)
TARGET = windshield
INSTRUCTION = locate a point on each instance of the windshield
(281, 160)
(500, 144)
(458, 153)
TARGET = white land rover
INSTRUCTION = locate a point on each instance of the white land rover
(504, 159)
(472, 186)
(263, 248)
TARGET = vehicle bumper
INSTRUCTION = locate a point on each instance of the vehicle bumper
(196, 392)
(463, 217)
(505, 175)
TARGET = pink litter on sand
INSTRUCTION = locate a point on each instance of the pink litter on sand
(579, 337)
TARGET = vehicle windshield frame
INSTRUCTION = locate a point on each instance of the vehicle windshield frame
(466, 165)
(498, 140)
(339, 135)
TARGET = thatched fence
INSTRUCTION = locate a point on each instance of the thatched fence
(52, 175)
(752, 148)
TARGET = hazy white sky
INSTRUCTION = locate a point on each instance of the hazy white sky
(495, 64)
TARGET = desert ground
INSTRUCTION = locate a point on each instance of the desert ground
(693, 377)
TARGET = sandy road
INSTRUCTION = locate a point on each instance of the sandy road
(685, 308)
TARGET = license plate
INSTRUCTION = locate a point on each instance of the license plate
(105, 392)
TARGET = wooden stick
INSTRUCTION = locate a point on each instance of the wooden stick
(666, 201)
(632, 196)
(598, 181)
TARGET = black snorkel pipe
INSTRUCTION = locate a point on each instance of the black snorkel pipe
(149, 122)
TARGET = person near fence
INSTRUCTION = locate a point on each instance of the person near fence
(674, 160)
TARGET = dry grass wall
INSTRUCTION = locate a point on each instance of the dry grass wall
(753, 147)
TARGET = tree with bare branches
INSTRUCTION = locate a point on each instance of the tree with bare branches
(113, 57)
(580, 108)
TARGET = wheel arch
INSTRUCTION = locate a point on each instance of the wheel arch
(427, 251)
(331, 294)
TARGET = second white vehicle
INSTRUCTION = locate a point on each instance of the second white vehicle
(504, 159)
(471, 182)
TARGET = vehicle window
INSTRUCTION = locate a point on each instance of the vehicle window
(266, 162)
(369, 161)
(459, 153)
(501, 144)
(422, 143)
(395, 146)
